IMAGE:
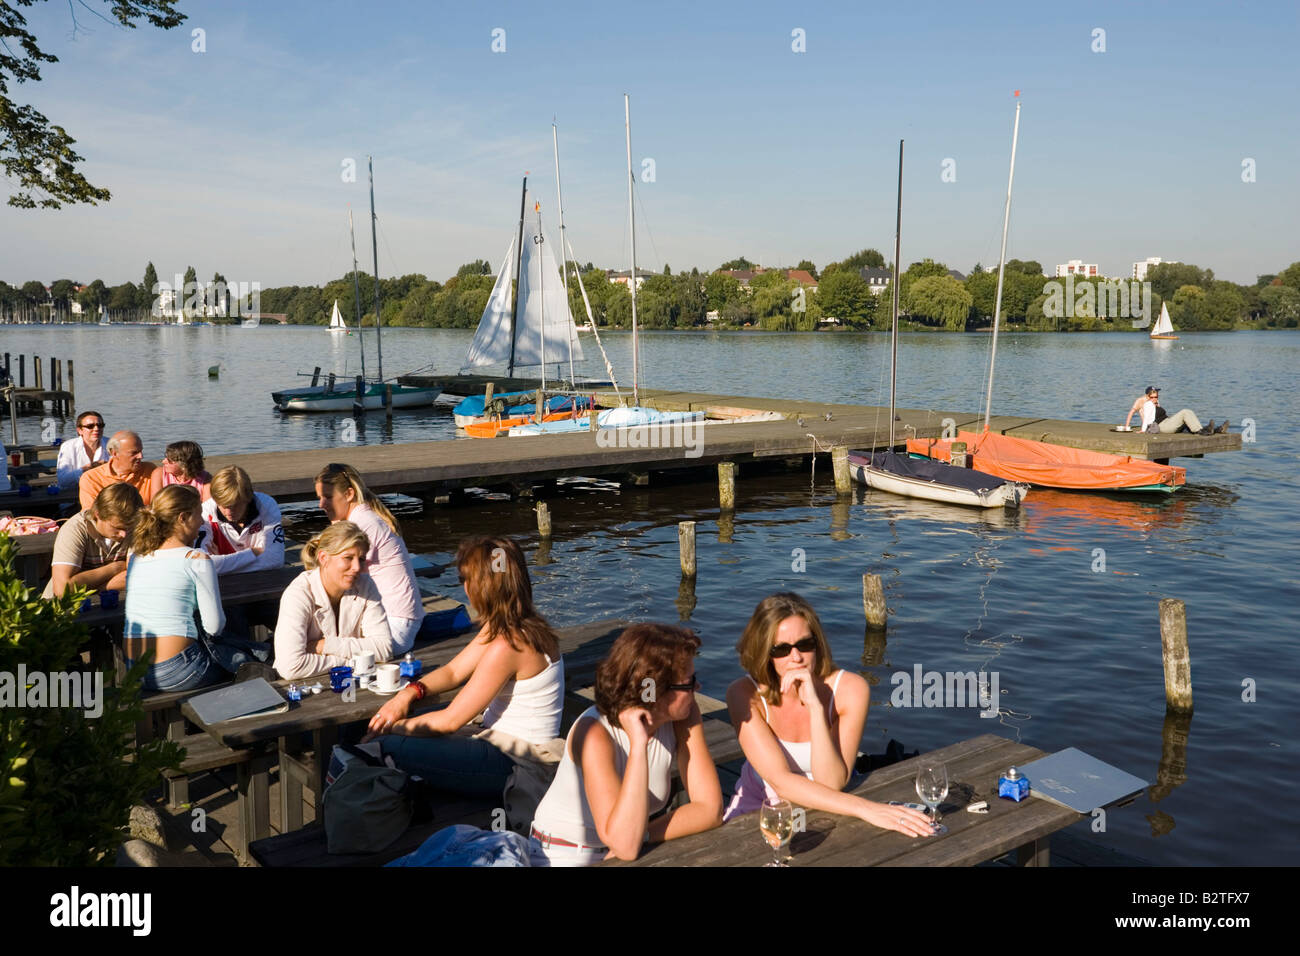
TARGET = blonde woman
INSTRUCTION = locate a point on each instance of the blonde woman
(332, 611)
(343, 496)
(166, 581)
(799, 720)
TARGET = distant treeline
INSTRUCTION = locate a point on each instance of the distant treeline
(931, 297)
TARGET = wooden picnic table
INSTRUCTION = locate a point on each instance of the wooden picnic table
(278, 738)
(833, 840)
(248, 587)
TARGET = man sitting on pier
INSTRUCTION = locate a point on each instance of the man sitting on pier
(241, 528)
(1155, 420)
(125, 463)
(80, 454)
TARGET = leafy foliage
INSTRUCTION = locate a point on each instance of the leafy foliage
(66, 785)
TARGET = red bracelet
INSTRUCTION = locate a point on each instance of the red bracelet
(419, 689)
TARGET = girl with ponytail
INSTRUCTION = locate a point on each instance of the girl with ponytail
(343, 496)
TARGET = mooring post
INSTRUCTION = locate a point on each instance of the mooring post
(53, 378)
(840, 465)
(1177, 657)
(13, 415)
(957, 454)
(388, 400)
(72, 390)
(22, 371)
(329, 386)
(359, 398)
(873, 601)
(727, 485)
(315, 376)
(686, 545)
(487, 396)
(541, 405)
(593, 419)
(543, 519)
(36, 372)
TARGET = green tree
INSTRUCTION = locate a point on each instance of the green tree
(1281, 304)
(65, 790)
(721, 290)
(940, 298)
(148, 288)
(186, 292)
(919, 270)
(740, 265)
(1168, 277)
(1290, 276)
(845, 295)
(1029, 267)
(807, 265)
(123, 297)
(863, 259)
(479, 267)
(37, 155)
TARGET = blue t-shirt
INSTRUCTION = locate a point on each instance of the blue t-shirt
(164, 588)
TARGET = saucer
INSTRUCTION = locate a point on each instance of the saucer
(385, 693)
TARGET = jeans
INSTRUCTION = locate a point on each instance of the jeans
(452, 762)
(1174, 422)
(404, 630)
(206, 661)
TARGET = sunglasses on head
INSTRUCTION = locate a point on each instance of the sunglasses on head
(806, 646)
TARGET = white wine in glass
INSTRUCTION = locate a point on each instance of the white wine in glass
(776, 823)
(932, 787)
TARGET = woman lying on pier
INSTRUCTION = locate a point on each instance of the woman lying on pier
(343, 496)
(166, 580)
(799, 719)
(617, 768)
(332, 611)
(512, 669)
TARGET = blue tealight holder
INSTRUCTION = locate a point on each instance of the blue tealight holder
(1013, 785)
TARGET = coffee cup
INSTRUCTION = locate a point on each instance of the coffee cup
(108, 599)
(340, 679)
(364, 662)
(387, 678)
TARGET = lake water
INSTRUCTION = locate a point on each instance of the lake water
(1076, 647)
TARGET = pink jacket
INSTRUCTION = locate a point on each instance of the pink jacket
(306, 616)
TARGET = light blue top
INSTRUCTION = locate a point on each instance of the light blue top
(164, 588)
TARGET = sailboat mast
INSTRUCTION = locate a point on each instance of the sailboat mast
(893, 338)
(356, 293)
(564, 259)
(514, 316)
(631, 219)
(1002, 264)
(374, 247)
(541, 298)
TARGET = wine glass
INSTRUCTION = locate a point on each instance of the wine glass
(932, 787)
(776, 823)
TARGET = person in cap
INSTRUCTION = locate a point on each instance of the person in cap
(1156, 420)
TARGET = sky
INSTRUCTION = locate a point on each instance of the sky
(768, 130)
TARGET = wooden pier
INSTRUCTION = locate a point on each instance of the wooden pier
(432, 469)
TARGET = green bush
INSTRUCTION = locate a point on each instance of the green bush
(67, 781)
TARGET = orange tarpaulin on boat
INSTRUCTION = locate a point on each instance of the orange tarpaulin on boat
(1053, 466)
(495, 426)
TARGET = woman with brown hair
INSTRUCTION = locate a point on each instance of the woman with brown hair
(182, 464)
(166, 581)
(799, 719)
(331, 611)
(616, 773)
(512, 674)
(343, 496)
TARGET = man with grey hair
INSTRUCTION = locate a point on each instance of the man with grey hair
(125, 463)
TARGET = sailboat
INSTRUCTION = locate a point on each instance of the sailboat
(374, 393)
(1042, 464)
(336, 320)
(1163, 329)
(915, 478)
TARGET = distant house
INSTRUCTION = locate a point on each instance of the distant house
(622, 276)
(828, 321)
(803, 277)
(877, 279)
(711, 316)
(1077, 267)
(742, 275)
(745, 276)
(1140, 268)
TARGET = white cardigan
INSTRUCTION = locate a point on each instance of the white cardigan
(306, 616)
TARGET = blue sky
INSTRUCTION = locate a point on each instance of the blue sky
(231, 159)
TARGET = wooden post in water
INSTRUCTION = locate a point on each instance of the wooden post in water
(873, 601)
(840, 464)
(22, 371)
(593, 417)
(957, 454)
(329, 386)
(315, 376)
(388, 401)
(53, 378)
(36, 372)
(13, 414)
(359, 399)
(1177, 657)
(727, 485)
(686, 545)
(72, 390)
(543, 519)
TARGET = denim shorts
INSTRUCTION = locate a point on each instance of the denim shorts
(191, 668)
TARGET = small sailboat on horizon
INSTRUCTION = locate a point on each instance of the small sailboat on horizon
(1163, 329)
(336, 320)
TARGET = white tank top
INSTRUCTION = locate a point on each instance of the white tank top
(530, 709)
(751, 789)
(564, 811)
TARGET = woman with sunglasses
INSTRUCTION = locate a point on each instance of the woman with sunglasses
(616, 773)
(799, 720)
(511, 673)
(343, 496)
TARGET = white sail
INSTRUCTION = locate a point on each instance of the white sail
(1163, 326)
(336, 319)
(491, 345)
(544, 303)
